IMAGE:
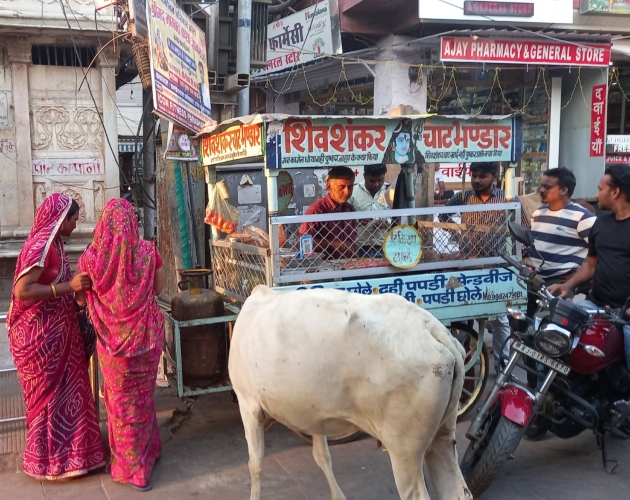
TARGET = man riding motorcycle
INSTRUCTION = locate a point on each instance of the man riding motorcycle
(608, 260)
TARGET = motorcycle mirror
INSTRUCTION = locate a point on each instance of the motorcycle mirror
(521, 234)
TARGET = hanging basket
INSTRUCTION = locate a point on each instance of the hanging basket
(140, 49)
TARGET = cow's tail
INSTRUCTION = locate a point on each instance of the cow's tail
(442, 335)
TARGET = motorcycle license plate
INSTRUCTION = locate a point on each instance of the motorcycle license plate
(541, 358)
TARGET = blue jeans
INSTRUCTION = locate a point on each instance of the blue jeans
(626, 329)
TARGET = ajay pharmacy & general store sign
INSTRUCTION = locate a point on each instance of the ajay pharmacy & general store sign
(466, 49)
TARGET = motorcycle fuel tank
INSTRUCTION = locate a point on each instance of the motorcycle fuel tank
(604, 336)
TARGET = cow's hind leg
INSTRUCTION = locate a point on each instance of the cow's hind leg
(408, 474)
(253, 418)
(322, 457)
(442, 465)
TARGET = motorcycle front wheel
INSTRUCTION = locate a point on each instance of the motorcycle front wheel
(485, 457)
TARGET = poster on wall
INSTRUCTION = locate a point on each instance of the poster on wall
(605, 7)
(180, 145)
(178, 66)
(312, 142)
(302, 37)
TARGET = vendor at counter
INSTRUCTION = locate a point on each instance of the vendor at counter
(367, 196)
(334, 239)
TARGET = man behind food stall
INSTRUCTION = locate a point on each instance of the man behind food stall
(480, 240)
(367, 196)
(334, 239)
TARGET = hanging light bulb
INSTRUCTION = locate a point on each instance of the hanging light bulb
(131, 95)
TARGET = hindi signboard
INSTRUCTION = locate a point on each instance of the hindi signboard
(179, 145)
(236, 142)
(460, 49)
(312, 142)
(302, 37)
(402, 246)
(443, 294)
(598, 120)
(178, 66)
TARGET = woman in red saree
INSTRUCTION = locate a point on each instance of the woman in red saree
(126, 274)
(63, 437)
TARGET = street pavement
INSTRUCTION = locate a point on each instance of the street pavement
(205, 456)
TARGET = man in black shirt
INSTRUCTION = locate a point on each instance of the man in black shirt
(608, 260)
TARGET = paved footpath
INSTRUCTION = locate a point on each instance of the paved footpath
(205, 456)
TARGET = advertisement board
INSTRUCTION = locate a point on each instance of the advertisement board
(178, 66)
(320, 142)
(598, 120)
(302, 37)
(466, 49)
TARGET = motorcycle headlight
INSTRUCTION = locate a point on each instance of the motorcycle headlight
(553, 340)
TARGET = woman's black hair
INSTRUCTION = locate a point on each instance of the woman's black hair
(74, 208)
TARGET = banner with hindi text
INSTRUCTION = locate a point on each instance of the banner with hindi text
(320, 142)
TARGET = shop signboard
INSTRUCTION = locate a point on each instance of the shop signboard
(451, 172)
(326, 142)
(302, 37)
(598, 120)
(618, 149)
(484, 50)
(498, 9)
(521, 11)
(440, 292)
(618, 7)
(236, 142)
(178, 66)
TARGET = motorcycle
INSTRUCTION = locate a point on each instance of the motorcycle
(577, 357)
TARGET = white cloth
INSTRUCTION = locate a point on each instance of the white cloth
(369, 234)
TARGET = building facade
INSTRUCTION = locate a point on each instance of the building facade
(58, 126)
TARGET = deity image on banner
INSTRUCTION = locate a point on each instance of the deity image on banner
(160, 51)
(402, 146)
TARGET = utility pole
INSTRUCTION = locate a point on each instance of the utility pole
(243, 50)
(148, 164)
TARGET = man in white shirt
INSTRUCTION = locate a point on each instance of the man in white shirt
(367, 196)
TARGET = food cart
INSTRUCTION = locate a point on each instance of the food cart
(432, 256)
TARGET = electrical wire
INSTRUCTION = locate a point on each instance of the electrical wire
(273, 106)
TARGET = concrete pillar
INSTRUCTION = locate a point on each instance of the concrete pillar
(19, 52)
(394, 91)
(108, 63)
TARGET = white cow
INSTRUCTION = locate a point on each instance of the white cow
(325, 362)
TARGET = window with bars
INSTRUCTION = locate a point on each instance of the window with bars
(54, 55)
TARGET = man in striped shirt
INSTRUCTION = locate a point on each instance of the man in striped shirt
(484, 176)
(561, 227)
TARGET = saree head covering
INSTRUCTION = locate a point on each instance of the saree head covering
(121, 265)
(63, 436)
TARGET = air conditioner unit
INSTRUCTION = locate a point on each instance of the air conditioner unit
(236, 82)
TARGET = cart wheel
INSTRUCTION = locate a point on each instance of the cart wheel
(333, 440)
(476, 377)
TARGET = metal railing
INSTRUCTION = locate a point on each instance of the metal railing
(350, 244)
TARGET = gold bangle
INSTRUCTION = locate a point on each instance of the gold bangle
(54, 290)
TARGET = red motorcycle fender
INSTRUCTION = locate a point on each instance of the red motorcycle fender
(516, 405)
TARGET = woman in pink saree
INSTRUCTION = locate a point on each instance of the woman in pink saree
(63, 437)
(126, 274)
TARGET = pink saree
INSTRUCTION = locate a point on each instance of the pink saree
(63, 436)
(130, 329)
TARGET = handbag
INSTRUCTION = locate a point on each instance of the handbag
(88, 333)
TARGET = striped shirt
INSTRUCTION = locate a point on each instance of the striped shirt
(561, 238)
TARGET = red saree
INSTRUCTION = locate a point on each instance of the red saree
(63, 436)
(130, 330)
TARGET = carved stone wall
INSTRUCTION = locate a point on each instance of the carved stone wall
(68, 139)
